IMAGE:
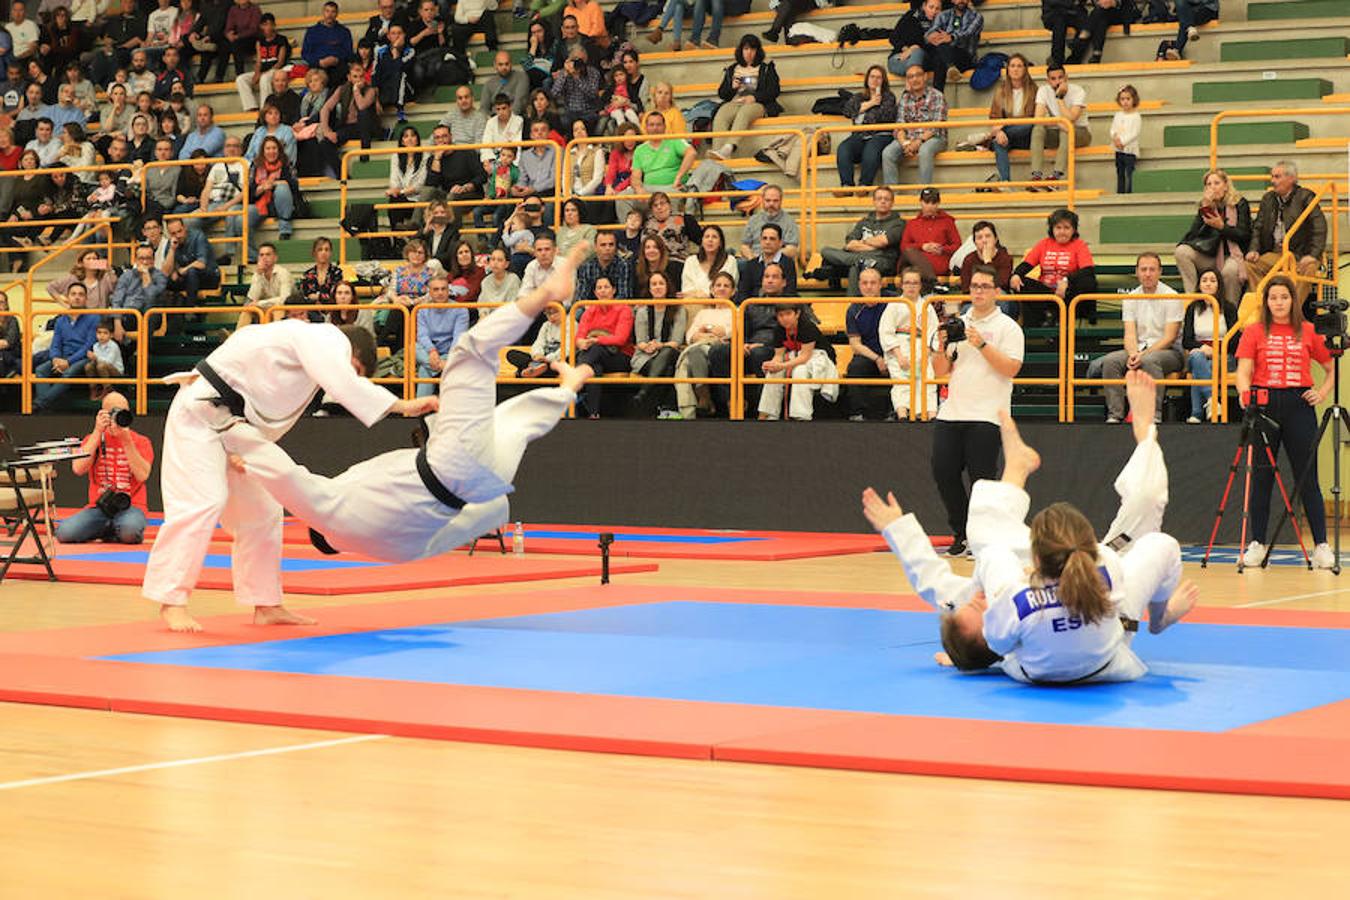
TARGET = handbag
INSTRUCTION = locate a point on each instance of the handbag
(1206, 244)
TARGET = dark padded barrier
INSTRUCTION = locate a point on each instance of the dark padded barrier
(775, 475)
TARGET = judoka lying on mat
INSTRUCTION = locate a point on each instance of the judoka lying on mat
(1071, 620)
(409, 504)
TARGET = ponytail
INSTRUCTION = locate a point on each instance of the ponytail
(1064, 548)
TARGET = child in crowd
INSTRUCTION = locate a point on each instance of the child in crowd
(502, 176)
(547, 347)
(797, 351)
(105, 360)
(516, 236)
(621, 106)
(630, 239)
(1125, 129)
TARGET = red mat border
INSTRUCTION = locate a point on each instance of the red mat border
(51, 667)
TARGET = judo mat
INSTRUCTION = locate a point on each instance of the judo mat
(1238, 700)
(307, 571)
(650, 543)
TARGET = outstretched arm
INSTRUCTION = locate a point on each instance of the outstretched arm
(931, 576)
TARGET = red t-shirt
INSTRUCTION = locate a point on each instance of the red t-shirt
(110, 469)
(9, 159)
(1057, 260)
(1281, 359)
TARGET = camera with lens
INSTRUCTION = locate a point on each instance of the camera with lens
(954, 330)
(112, 502)
(122, 418)
(1328, 317)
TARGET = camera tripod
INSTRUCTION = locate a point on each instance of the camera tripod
(1254, 428)
(1334, 415)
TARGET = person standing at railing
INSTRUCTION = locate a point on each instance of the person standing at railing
(72, 339)
(749, 91)
(1280, 208)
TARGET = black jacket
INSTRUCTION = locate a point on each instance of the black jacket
(1311, 239)
(1230, 317)
(1200, 235)
(767, 87)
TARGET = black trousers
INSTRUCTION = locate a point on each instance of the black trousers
(970, 448)
(719, 366)
(602, 359)
(865, 398)
(1297, 431)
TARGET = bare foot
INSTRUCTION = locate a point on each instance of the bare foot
(178, 619)
(1019, 460)
(1142, 392)
(236, 462)
(279, 615)
(1181, 602)
(573, 377)
(942, 659)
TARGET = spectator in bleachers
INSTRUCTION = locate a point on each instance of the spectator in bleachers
(874, 242)
(1101, 15)
(105, 360)
(271, 285)
(208, 36)
(547, 348)
(989, 251)
(91, 271)
(621, 102)
(473, 17)
(770, 253)
(541, 107)
(143, 94)
(909, 37)
(787, 12)
(918, 104)
(25, 120)
(715, 32)
(458, 173)
(1015, 98)
(658, 338)
(283, 98)
(760, 322)
(114, 117)
(466, 276)
(1197, 340)
(122, 33)
(569, 42)
(1152, 337)
(1058, 98)
(770, 211)
(72, 339)
(537, 174)
(465, 120)
(349, 112)
(306, 125)
(654, 257)
(894, 331)
(506, 79)
(273, 127)
(437, 332)
(153, 231)
(681, 234)
(76, 151)
(538, 63)
(427, 35)
(63, 40)
(710, 329)
(191, 184)
(241, 32)
(190, 267)
(504, 126)
(1190, 14)
(159, 25)
(141, 147)
(619, 172)
(1058, 16)
(223, 189)
(749, 91)
(172, 76)
(270, 51)
(660, 165)
(11, 341)
(590, 20)
(170, 125)
(393, 62)
(663, 102)
(499, 284)
(65, 110)
(183, 28)
(30, 192)
(1066, 268)
(9, 151)
(140, 286)
(68, 202)
(207, 135)
(862, 325)
(798, 355)
(1219, 237)
(604, 341)
(519, 232)
(930, 238)
(344, 299)
(951, 42)
(86, 95)
(276, 192)
(545, 252)
(12, 90)
(573, 229)
(588, 171)
(701, 266)
(441, 233)
(407, 178)
(577, 89)
(873, 105)
(639, 88)
(378, 25)
(23, 32)
(1280, 208)
(606, 263)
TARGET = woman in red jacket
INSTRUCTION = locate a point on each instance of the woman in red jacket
(1275, 372)
(604, 341)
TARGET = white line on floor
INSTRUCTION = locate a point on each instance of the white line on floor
(1291, 597)
(194, 761)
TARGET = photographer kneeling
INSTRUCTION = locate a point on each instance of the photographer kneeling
(118, 466)
(982, 351)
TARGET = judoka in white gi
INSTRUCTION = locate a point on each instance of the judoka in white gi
(385, 507)
(265, 375)
(1002, 618)
(894, 331)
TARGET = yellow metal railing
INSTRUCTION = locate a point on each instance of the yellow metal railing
(1265, 113)
(29, 379)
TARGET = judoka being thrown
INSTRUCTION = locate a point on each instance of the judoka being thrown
(410, 504)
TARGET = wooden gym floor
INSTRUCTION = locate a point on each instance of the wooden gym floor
(96, 804)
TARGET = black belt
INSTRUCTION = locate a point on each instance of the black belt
(229, 397)
(1079, 680)
(433, 484)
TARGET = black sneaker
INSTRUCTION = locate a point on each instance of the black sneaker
(957, 548)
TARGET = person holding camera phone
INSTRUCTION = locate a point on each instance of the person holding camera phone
(982, 352)
(118, 466)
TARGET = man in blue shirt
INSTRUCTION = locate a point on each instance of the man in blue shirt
(207, 135)
(71, 343)
(190, 265)
(328, 44)
(142, 285)
(437, 331)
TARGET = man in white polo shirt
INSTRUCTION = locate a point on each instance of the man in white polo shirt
(966, 436)
(1152, 337)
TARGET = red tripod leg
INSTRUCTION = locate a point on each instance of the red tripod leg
(1223, 505)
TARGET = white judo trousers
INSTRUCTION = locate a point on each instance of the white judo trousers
(801, 406)
(380, 507)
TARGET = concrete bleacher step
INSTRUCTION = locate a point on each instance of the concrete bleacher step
(1308, 48)
(1162, 230)
(1236, 133)
(1266, 90)
(1299, 9)
(1149, 181)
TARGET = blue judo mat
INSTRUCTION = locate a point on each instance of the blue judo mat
(1203, 677)
(219, 561)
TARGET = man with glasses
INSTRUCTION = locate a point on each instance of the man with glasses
(982, 366)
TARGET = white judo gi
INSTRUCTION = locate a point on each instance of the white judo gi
(894, 333)
(1039, 642)
(277, 368)
(380, 507)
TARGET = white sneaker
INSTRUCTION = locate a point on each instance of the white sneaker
(1112, 420)
(1255, 555)
(1192, 34)
(1192, 420)
(722, 153)
(1322, 557)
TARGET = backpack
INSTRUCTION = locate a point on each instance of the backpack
(831, 106)
(987, 71)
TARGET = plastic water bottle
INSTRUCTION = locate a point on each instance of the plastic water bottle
(518, 540)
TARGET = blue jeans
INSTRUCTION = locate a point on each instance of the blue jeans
(674, 14)
(700, 10)
(894, 154)
(90, 524)
(864, 146)
(189, 208)
(424, 371)
(1019, 138)
(284, 203)
(897, 64)
(1201, 368)
(1189, 17)
(47, 393)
